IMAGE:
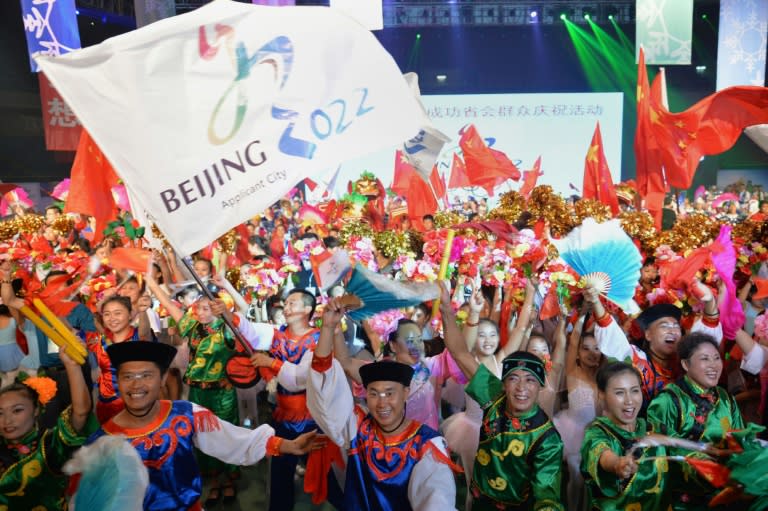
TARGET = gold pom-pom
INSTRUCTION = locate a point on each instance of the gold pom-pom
(8, 229)
(358, 228)
(545, 203)
(691, 232)
(511, 205)
(63, 225)
(638, 225)
(228, 242)
(391, 244)
(447, 219)
(586, 208)
(234, 277)
(29, 224)
(746, 230)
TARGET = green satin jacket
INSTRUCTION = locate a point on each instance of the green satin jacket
(644, 491)
(30, 470)
(519, 459)
(686, 410)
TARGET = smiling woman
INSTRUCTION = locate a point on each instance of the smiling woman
(116, 318)
(614, 477)
(31, 457)
(695, 408)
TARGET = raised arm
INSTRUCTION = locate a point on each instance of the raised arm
(572, 351)
(6, 291)
(165, 300)
(558, 353)
(78, 390)
(242, 305)
(350, 364)
(476, 302)
(517, 332)
(454, 341)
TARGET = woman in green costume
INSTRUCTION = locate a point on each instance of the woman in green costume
(616, 478)
(210, 346)
(695, 408)
(30, 457)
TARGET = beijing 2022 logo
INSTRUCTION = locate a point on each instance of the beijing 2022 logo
(332, 119)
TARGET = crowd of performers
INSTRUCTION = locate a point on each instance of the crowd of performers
(526, 386)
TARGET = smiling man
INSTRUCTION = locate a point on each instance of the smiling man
(394, 463)
(657, 362)
(165, 433)
(518, 466)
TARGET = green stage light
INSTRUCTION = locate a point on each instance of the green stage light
(703, 16)
(563, 16)
(418, 36)
(586, 16)
(610, 17)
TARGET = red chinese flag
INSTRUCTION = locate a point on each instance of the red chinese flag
(402, 178)
(126, 258)
(709, 127)
(408, 183)
(62, 129)
(716, 474)
(459, 177)
(530, 177)
(485, 167)
(650, 179)
(90, 191)
(438, 184)
(597, 176)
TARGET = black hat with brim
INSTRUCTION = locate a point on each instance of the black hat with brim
(656, 312)
(141, 351)
(525, 361)
(386, 371)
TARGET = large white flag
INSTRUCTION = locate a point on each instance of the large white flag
(211, 116)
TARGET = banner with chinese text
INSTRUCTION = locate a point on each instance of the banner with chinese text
(62, 129)
(664, 29)
(261, 99)
(50, 26)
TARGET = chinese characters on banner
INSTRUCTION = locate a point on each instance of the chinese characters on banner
(62, 129)
(51, 27)
(509, 111)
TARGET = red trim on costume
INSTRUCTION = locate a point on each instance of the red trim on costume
(162, 414)
(441, 457)
(276, 365)
(273, 446)
(319, 464)
(322, 364)
(710, 322)
(604, 320)
(291, 408)
(236, 320)
(206, 421)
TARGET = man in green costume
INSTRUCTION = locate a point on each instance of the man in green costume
(519, 461)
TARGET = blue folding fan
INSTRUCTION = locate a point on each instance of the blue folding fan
(112, 476)
(605, 257)
(377, 293)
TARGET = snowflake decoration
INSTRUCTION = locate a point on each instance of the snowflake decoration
(747, 42)
(39, 24)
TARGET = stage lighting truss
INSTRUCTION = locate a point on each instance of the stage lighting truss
(420, 13)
